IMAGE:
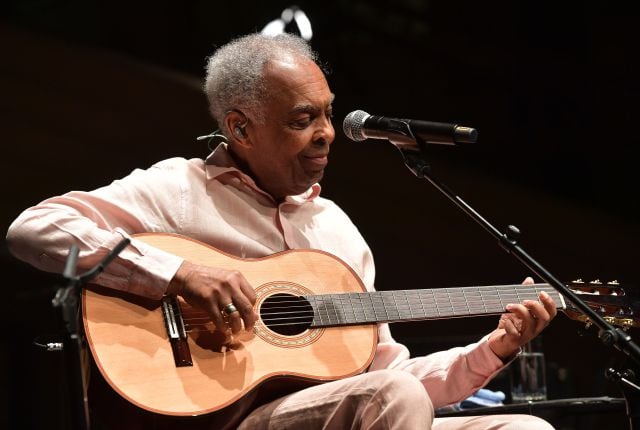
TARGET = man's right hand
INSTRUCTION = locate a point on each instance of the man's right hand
(212, 289)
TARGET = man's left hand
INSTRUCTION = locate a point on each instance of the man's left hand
(523, 322)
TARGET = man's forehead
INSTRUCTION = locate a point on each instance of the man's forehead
(305, 107)
(301, 79)
(290, 70)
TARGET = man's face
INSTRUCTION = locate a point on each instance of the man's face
(288, 153)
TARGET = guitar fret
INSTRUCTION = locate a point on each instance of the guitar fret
(314, 305)
(358, 310)
(428, 299)
(474, 301)
(466, 303)
(390, 300)
(367, 308)
(398, 308)
(408, 303)
(489, 299)
(340, 311)
(347, 309)
(336, 301)
(333, 307)
(443, 303)
(381, 301)
(384, 306)
(323, 312)
(353, 308)
(484, 304)
(318, 308)
(380, 311)
(421, 304)
(424, 311)
(326, 311)
(516, 297)
(504, 301)
(372, 308)
(460, 304)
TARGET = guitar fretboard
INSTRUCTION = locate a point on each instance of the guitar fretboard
(408, 305)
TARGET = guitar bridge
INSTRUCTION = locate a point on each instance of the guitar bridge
(175, 330)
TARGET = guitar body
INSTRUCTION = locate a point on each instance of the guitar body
(129, 339)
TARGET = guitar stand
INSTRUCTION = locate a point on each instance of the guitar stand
(416, 161)
(67, 301)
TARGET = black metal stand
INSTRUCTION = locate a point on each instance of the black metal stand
(67, 301)
(609, 335)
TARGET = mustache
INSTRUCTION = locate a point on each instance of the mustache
(321, 142)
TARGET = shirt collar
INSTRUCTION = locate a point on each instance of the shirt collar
(220, 162)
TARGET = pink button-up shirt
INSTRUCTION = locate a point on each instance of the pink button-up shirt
(214, 202)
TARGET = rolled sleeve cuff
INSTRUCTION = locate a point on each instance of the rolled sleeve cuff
(483, 361)
(142, 270)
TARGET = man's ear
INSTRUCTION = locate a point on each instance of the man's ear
(236, 122)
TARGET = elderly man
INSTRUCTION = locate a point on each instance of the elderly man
(255, 195)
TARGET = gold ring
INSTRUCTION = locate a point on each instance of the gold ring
(229, 309)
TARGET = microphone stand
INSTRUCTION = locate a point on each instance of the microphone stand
(67, 301)
(609, 335)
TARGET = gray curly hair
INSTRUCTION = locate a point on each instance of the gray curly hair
(235, 72)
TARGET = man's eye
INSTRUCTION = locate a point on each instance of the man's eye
(301, 122)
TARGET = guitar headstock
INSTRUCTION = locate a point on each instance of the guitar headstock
(617, 305)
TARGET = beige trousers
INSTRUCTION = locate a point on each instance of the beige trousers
(384, 399)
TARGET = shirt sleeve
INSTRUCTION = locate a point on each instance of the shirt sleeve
(96, 221)
(449, 376)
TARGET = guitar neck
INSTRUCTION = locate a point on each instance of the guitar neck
(413, 305)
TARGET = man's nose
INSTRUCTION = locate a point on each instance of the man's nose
(325, 132)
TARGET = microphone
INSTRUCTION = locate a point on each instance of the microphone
(359, 125)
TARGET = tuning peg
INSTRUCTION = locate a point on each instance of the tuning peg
(614, 282)
(596, 282)
(578, 281)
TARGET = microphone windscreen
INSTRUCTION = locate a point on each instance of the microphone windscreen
(353, 125)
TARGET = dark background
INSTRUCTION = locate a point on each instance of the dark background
(91, 89)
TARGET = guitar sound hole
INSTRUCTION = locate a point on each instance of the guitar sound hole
(286, 314)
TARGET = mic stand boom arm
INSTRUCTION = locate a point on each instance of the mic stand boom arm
(608, 334)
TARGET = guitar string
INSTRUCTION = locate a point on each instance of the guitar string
(434, 294)
(306, 322)
(276, 310)
(373, 306)
(373, 296)
(441, 291)
(320, 299)
(268, 316)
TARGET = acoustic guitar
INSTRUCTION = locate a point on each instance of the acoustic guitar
(316, 323)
